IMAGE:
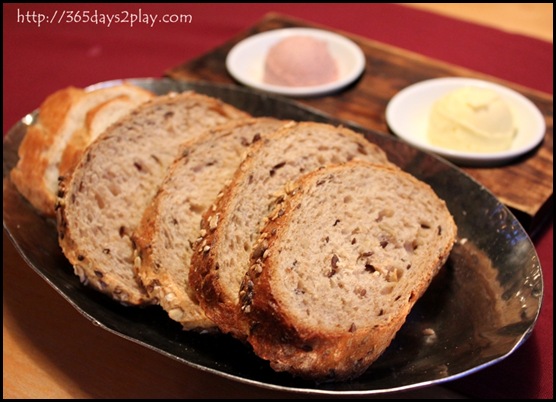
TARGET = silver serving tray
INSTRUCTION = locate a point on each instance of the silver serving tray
(478, 310)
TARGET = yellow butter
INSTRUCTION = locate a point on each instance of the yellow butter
(471, 119)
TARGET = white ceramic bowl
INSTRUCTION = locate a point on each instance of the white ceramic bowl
(408, 112)
(245, 61)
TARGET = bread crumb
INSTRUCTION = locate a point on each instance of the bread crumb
(429, 336)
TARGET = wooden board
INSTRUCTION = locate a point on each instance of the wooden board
(524, 185)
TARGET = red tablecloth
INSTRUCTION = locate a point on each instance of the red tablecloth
(49, 46)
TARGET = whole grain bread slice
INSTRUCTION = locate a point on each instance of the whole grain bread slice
(338, 267)
(171, 223)
(231, 226)
(61, 119)
(102, 202)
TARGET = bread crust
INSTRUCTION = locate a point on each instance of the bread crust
(302, 349)
(28, 174)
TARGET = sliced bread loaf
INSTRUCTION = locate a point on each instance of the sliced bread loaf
(171, 223)
(232, 225)
(60, 116)
(338, 267)
(102, 202)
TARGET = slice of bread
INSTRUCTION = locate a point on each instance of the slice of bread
(232, 225)
(338, 267)
(62, 116)
(171, 223)
(102, 202)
